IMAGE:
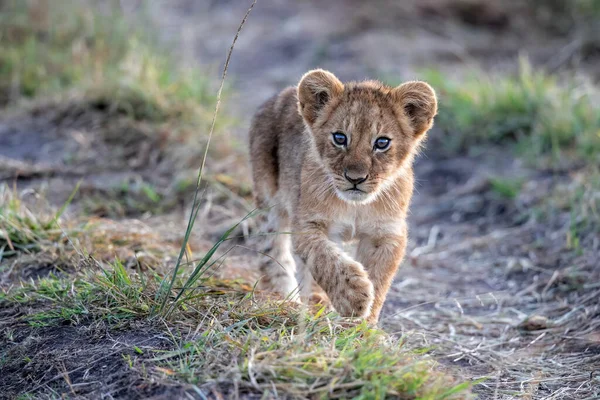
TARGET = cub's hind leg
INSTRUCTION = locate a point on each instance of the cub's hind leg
(277, 266)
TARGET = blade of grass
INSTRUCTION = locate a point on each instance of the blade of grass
(460, 388)
(195, 205)
(203, 264)
(62, 209)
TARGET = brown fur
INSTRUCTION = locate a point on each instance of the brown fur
(300, 175)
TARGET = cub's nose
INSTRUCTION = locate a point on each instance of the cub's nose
(354, 178)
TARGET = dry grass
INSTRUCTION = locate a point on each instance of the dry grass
(22, 230)
(537, 338)
(36, 240)
(551, 353)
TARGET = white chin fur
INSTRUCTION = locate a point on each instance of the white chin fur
(355, 197)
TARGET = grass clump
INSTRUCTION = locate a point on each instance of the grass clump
(49, 48)
(585, 200)
(127, 199)
(41, 239)
(505, 187)
(581, 198)
(547, 120)
(22, 230)
(351, 362)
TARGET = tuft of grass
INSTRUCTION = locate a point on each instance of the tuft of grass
(355, 362)
(547, 120)
(200, 268)
(506, 187)
(127, 199)
(584, 208)
(52, 48)
(22, 230)
(39, 238)
(579, 200)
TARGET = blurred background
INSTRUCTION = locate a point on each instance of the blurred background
(143, 75)
(118, 96)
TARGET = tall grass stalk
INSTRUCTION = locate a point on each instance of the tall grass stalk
(165, 293)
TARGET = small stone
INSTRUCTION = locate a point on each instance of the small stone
(535, 323)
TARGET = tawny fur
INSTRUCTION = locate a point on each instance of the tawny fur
(300, 177)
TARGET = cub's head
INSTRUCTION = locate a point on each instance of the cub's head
(364, 132)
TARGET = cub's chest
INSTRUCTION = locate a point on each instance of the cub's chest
(349, 227)
(342, 231)
(345, 228)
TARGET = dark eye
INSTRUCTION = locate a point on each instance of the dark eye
(382, 143)
(340, 139)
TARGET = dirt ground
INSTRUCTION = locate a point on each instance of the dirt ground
(477, 267)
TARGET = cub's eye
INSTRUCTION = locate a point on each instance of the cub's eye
(340, 139)
(382, 143)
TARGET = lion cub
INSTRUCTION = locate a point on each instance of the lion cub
(333, 162)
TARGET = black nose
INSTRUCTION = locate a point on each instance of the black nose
(355, 179)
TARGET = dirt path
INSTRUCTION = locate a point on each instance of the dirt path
(356, 39)
(477, 271)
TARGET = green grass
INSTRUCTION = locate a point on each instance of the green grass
(506, 187)
(256, 344)
(53, 48)
(549, 121)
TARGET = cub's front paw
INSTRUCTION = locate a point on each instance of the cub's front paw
(353, 296)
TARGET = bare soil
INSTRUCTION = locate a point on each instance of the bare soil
(83, 362)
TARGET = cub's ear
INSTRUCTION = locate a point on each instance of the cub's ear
(317, 88)
(418, 102)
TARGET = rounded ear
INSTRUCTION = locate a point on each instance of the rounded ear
(418, 102)
(317, 88)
